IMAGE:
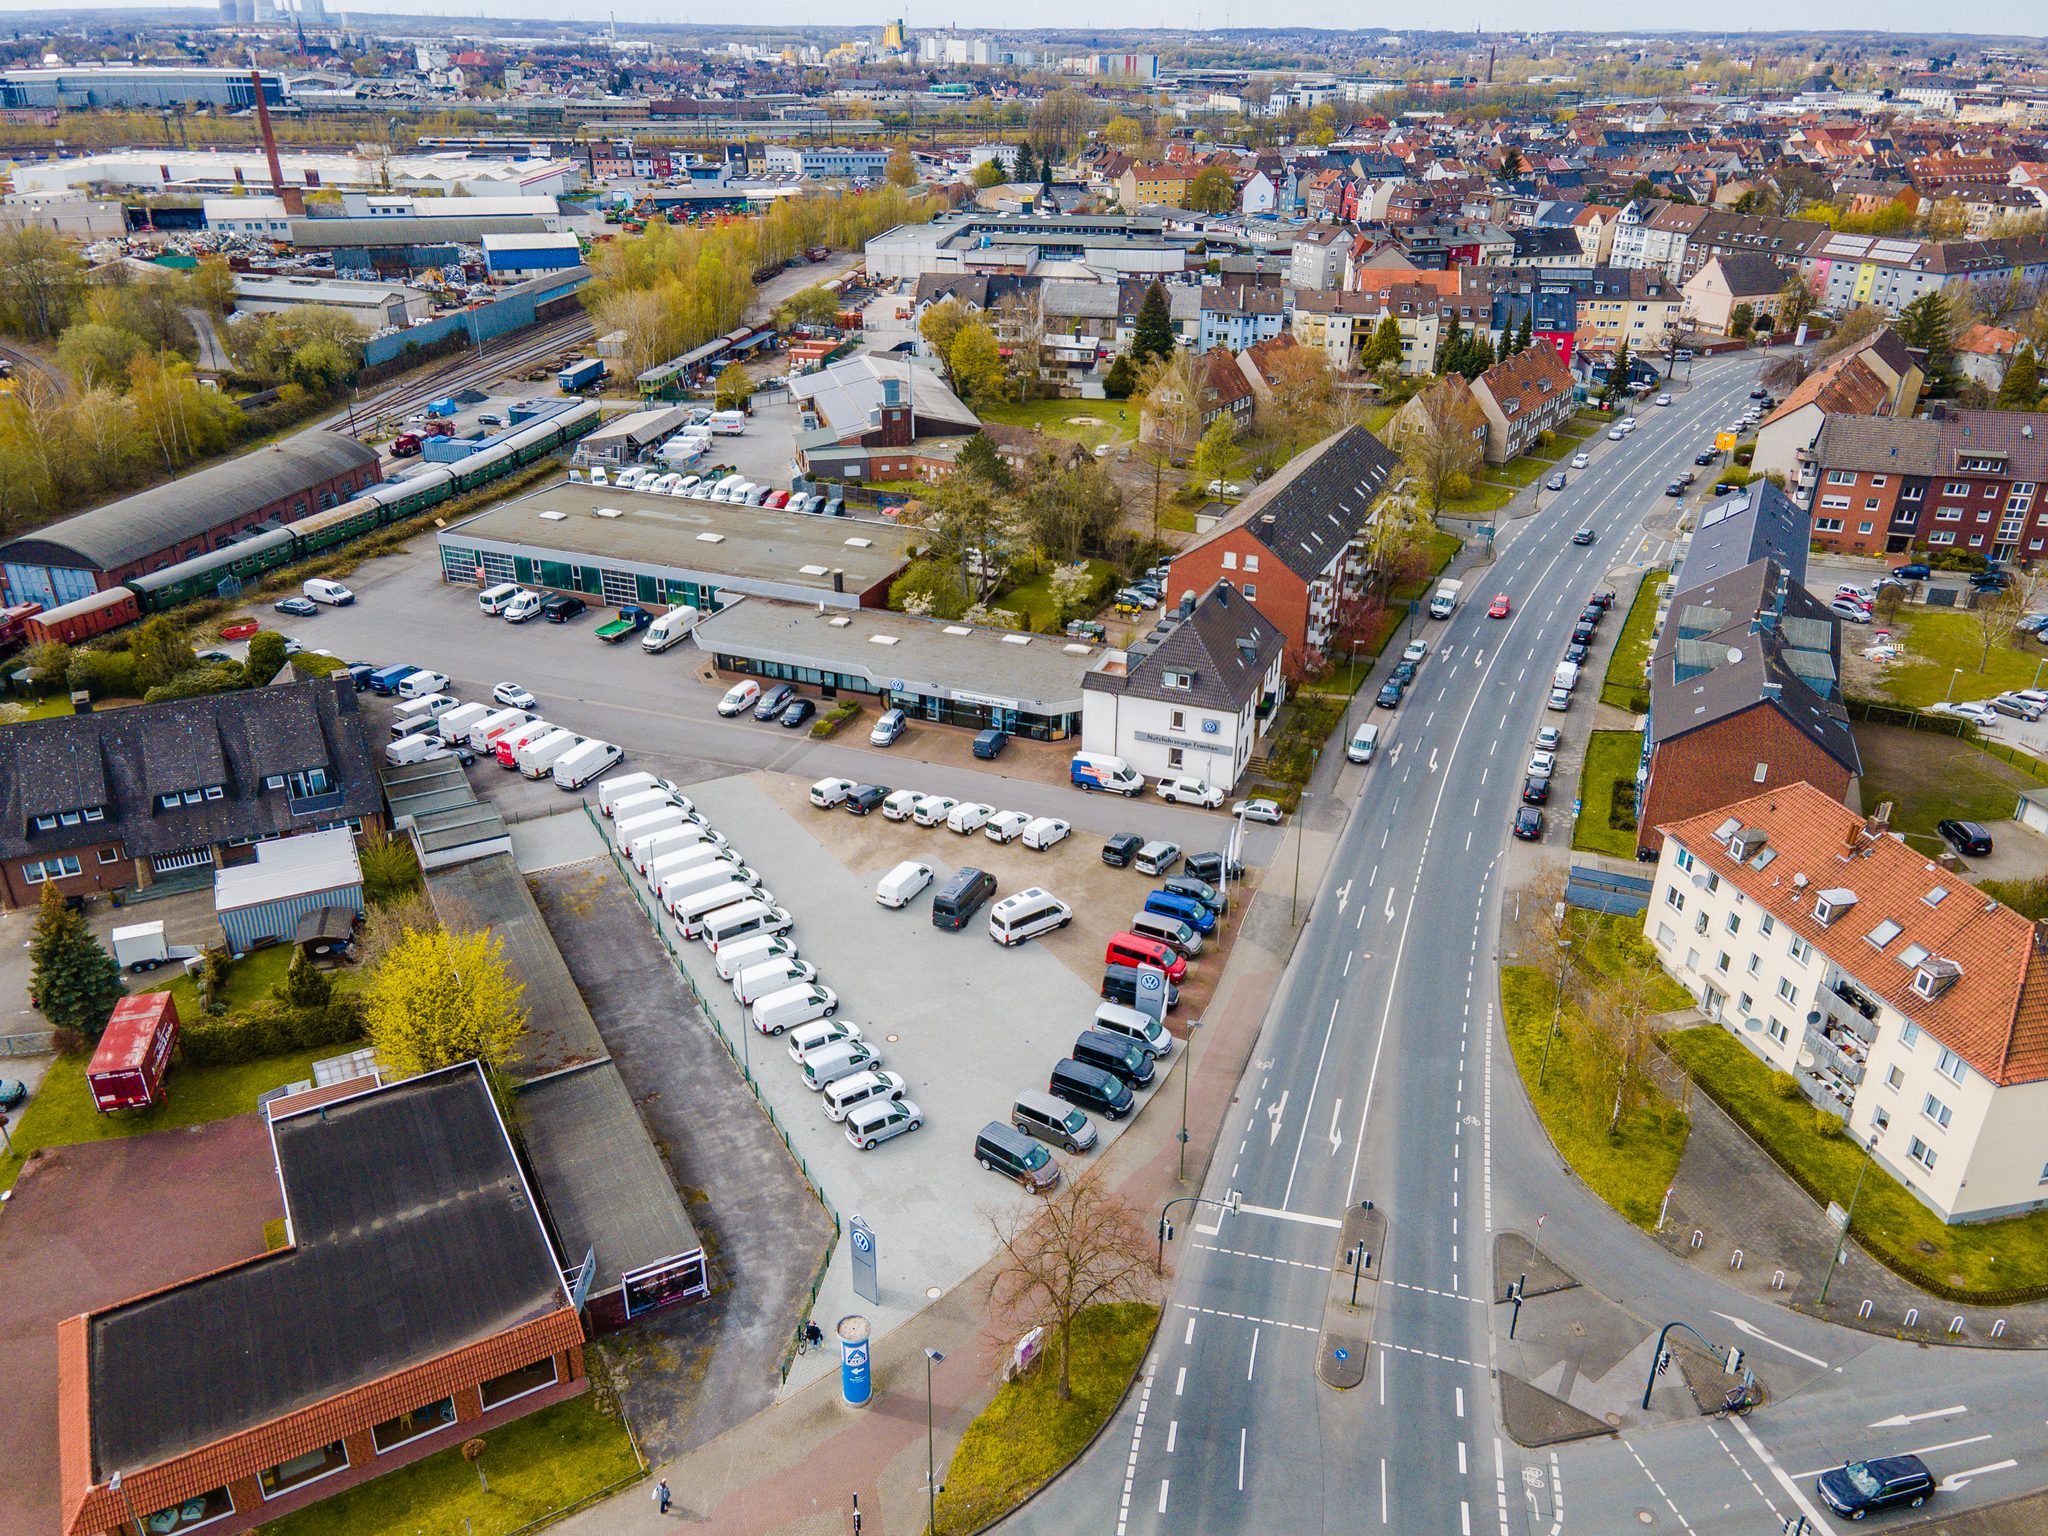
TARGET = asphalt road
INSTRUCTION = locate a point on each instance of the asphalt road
(1382, 1074)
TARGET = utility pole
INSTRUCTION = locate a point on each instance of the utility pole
(1564, 956)
(1187, 1071)
(1842, 1237)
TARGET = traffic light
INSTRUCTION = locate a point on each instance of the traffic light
(1734, 1366)
(1663, 1360)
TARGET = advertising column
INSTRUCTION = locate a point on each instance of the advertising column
(855, 1384)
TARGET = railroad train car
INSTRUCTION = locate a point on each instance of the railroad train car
(82, 619)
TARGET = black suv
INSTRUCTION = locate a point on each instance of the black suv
(561, 608)
(1535, 790)
(1121, 849)
(1196, 889)
(1966, 837)
(1861, 1487)
(1209, 867)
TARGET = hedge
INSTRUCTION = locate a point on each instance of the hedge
(269, 1029)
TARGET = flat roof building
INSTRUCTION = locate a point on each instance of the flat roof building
(377, 305)
(609, 545)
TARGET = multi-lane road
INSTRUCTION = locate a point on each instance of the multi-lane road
(1382, 1074)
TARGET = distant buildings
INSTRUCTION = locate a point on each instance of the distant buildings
(828, 162)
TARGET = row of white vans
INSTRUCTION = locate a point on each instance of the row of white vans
(441, 725)
(736, 489)
(710, 894)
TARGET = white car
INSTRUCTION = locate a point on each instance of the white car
(901, 804)
(827, 793)
(512, 696)
(1549, 739)
(1615, 434)
(1415, 651)
(969, 817)
(1190, 791)
(739, 698)
(1225, 488)
(1628, 423)
(901, 885)
(933, 810)
(1006, 826)
(1542, 764)
(1581, 460)
(1663, 399)
(1267, 811)
(1970, 710)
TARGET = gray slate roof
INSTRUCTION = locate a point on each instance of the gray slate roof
(108, 537)
(1751, 276)
(1319, 503)
(1226, 645)
(1760, 521)
(1882, 444)
(122, 759)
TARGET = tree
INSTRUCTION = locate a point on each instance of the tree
(266, 658)
(41, 280)
(1068, 510)
(1618, 1033)
(901, 171)
(1617, 375)
(1998, 616)
(1080, 1248)
(970, 526)
(1121, 378)
(438, 998)
(1440, 433)
(1019, 318)
(1024, 167)
(1212, 191)
(1153, 338)
(815, 305)
(2020, 389)
(211, 285)
(1216, 452)
(1795, 303)
(1382, 349)
(1126, 133)
(991, 173)
(73, 981)
(735, 387)
(1525, 338)
(161, 651)
(977, 364)
(1510, 165)
(978, 457)
(305, 985)
(1860, 322)
(1927, 325)
(939, 325)
(93, 352)
(1740, 319)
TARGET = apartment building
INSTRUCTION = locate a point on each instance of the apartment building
(1522, 397)
(1894, 992)
(1874, 377)
(1338, 324)
(1891, 272)
(1966, 480)
(1872, 474)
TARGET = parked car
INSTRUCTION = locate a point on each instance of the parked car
(969, 816)
(1414, 651)
(1581, 460)
(1970, 710)
(1535, 791)
(1212, 867)
(1912, 571)
(739, 697)
(1390, 695)
(1849, 610)
(933, 810)
(13, 1091)
(1575, 653)
(1704, 457)
(889, 729)
(774, 701)
(798, 713)
(1119, 850)
(879, 1119)
(1663, 399)
(1860, 1488)
(1500, 606)
(990, 743)
(1006, 826)
(1675, 488)
(1548, 739)
(863, 798)
(1404, 673)
(2019, 706)
(1267, 811)
(297, 607)
(1190, 791)
(1529, 824)
(1555, 483)
(1543, 762)
(827, 793)
(1968, 838)
(902, 805)
(512, 696)
(559, 609)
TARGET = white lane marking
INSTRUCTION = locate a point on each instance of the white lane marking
(1757, 1448)
(1302, 1140)
(1273, 1115)
(1684, 1524)
(1764, 1338)
(1957, 1480)
(1163, 1485)
(1464, 1518)
(1172, 1434)
(1261, 1322)
(1923, 1450)
(1240, 1459)
(1180, 1380)
(1123, 1514)
(1190, 1337)
(1462, 1470)
(1901, 1420)
(1253, 1363)
(1460, 1391)
(1383, 1487)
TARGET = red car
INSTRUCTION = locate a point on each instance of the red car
(1499, 610)
(241, 629)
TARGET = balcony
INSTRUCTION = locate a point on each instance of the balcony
(1850, 996)
(323, 804)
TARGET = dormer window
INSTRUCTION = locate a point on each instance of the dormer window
(1934, 976)
(1831, 904)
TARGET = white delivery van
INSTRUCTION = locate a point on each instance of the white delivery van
(902, 884)
(759, 915)
(806, 1008)
(421, 714)
(757, 981)
(415, 749)
(667, 860)
(644, 849)
(495, 600)
(1044, 832)
(417, 685)
(1365, 741)
(669, 628)
(333, 593)
(538, 756)
(639, 802)
(484, 733)
(678, 886)
(691, 911)
(455, 724)
(523, 606)
(507, 746)
(1566, 676)
(729, 423)
(636, 822)
(620, 785)
(737, 956)
(629, 479)
(1100, 770)
(575, 769)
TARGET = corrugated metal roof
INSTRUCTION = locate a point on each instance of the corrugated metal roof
(292, 866)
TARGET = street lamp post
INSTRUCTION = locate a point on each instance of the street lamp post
(1228, 1203)
(932, 1357)
(134, 1519)
(1953, 675)
(1564, 956)
(1842, 1238)
(1187, 1071)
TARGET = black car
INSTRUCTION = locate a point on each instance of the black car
(1704, 458)
(1759, 394)
(1583, 536)
(1197, 890)
(1912, 571)
(1529, 824)
(1390, 695)
(1582, 633)
(1882, 1482)
(1575, 653)
(774, 701)
(1210, 867)
(1990, 581)
(990, 743)
(1675, 488)
(1121, 849)
(561, 608)
(799, 711)
(1404, 673)
(1591, 614)
(1602, 600)
(865, 798)
(1966, 837)
(1536, 790)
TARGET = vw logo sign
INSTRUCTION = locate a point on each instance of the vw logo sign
(1151, 981)
(1211, 727)
(863, 1239)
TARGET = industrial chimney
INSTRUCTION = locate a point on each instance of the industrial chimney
(294, 198)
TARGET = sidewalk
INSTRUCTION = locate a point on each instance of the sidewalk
(795, 1467)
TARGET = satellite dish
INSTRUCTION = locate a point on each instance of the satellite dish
(1699, 881)
(1753, 1025)
(1813, 1019)
(1734, 653)
(1806, 1058)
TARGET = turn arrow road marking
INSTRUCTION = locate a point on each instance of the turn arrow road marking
(1764, 1338)
(1957, 1480)
(1901, 1420)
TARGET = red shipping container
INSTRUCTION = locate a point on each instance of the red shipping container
(127, 1071)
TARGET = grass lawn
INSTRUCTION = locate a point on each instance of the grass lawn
(1478, 501)
(1033, 599)
(250, 980)
(1629, 1170)
(46, 709)
(1578, 429)
(1927, 775)
(60, 1112)
(1089, 422)
(1525, 471)
(1443, 548)
(1609, 775)
(1625, 686)
(1937, 643)
(1893, 1227)
(1607, 944)
(1177, 517)
(536, 1466)
(1027, 1434)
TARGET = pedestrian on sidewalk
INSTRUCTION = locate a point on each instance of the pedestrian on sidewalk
(661, 1496)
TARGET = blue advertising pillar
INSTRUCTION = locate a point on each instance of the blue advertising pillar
(855, 1382)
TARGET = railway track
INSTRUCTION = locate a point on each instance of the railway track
(507, 354)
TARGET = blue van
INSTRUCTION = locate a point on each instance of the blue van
(386, 679)
(1186, 908)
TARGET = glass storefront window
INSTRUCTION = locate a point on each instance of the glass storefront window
(394, 1432)
(309, 1467)
(528, 1378)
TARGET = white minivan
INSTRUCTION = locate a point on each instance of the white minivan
(691, 912)
(495, 600)
(421, 713)
(736, 957)
(415, 749)
(1024, 916)
(1141, 1029)
(1365, 741)
(757, 981)
(739, 698)
(901, 885)
(332, 593)
(685, 867)
(807, 1008)
(743, 918)
(635, 803)
(577, 768)
(729, 423)
(524, 605)
(417, 685)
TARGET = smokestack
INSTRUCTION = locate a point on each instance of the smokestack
(294, 199)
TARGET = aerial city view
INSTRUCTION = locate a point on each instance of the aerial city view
(1170, 773)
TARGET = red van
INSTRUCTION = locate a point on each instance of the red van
(1134, 949)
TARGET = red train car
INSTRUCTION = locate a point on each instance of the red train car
(13, 622)
(81, 620)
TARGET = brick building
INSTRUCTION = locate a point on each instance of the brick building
(1871, 491)
(1522, 397)
(1963, 480)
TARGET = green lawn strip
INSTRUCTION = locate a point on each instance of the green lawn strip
(1443, 548)
(1092, 422)
(1629, 1170)
(1938, 643)
(1033, 599)
(250, 980)
(1991, 1259)
(1179, 519)
(1525, 471)
(1625, 686)
(43, 709)
(1026, 1435)
(1608, 943)
(1609, 774)
(1578, 429)
(60, 1112)
(536, 1465)
(1477, 501)
(1928, 775)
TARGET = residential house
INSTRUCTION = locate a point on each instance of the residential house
(1895, 993)
(1727, 283)
(1872, 474)
(1873, 377)
(1545, 248)
(1079, 325)
(1155, 184)
(1337, 323)
(1450, 398)
(1983, 351)
(1641, 308)
(1183, 308)
(1237, 315)
(1318, 257)
(1985, 493)
(1298, 546)
(127, 798)
(1891, 272)
(1198, 701)
(1522, 397)
(878, 417)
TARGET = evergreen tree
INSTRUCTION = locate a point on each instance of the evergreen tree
(2020, 390)
(1478, 356)
(1045, 177)
(1926, 325)
(1450, 351)
(978, 457)
(1526, 336)
(1154, 337)
(73, 980)
(1617, 375)
(1384, 348)
(1121, 379)
(1025, 168)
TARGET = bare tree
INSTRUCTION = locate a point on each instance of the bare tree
(1301, 381)
(1998, 616)
(1618, 1018)
(1171, 423)
(1083, 1247)
(1441, 434)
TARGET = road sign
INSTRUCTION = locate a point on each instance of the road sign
(866, 1282)
(1343, 1353)
(1485, 532)
(1724, 442)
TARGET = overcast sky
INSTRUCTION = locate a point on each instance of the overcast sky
(1998, 17)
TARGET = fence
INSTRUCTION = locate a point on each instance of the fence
(1871, 712)
(38, 1042)
(739, 1057)
(515, 311)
